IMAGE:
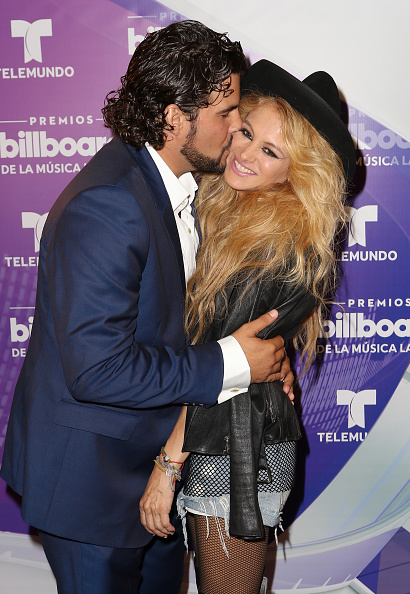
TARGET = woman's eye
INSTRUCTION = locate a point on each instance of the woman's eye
(270, 153)
(246, 133)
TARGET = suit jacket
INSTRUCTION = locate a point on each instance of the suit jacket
(107, 367)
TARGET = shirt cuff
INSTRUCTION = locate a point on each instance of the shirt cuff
(237, 373)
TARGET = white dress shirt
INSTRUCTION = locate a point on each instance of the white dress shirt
(181, 192)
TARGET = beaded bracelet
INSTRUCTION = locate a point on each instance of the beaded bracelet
(168, 466)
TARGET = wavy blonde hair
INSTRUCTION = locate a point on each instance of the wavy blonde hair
(285, 229)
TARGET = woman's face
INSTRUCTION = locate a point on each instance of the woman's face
(258, 156)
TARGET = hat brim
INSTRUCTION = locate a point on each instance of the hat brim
(270, 79)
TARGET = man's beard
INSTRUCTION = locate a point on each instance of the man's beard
(203, 163)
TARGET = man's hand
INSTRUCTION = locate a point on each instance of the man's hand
(264, 356)
(288, 378)
(155, 504)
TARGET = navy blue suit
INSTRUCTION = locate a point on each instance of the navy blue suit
(107, 367)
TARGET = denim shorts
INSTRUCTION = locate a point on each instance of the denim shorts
(271, 505)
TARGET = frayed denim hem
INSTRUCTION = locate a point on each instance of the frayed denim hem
(271, 505)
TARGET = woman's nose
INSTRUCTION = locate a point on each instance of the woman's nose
(248, 153)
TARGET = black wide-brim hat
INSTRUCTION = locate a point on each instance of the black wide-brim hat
(316, 98)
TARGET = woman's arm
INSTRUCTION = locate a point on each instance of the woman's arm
(155, 504)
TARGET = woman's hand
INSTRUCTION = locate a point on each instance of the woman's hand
(155, 504)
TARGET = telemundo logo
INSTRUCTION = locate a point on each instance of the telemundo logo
(35, 221)
(359, 218)
(355, 402)
(32, 35)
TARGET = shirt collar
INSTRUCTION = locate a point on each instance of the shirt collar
(181, 190)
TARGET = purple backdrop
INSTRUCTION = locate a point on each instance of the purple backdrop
(58, 61)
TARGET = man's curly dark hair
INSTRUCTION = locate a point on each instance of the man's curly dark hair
(181, 64)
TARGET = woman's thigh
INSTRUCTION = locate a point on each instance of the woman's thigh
(236, 568)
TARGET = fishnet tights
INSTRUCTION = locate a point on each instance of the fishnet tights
(241, 573)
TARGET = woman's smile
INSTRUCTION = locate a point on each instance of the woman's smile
(240, 168)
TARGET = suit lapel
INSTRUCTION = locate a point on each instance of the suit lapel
(163, 204)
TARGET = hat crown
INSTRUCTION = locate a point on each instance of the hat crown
(323, 85)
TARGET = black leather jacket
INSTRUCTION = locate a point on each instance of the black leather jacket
(243, 425)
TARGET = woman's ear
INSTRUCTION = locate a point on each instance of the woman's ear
(176, 121)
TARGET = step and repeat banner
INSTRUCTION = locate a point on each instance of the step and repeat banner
(347, 522)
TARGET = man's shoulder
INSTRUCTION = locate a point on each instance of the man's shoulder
(110, 166)
(114, 161)
(112, 174)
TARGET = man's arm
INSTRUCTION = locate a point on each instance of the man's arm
(95, 265)
(96, 269)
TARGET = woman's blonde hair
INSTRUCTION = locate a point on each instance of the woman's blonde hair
(287, 230)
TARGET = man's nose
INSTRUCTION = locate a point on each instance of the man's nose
(236, 122)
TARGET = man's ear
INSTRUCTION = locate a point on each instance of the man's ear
(176, 121)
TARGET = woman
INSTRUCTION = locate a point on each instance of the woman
(268, 228)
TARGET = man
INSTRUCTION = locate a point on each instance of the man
(108, 366)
